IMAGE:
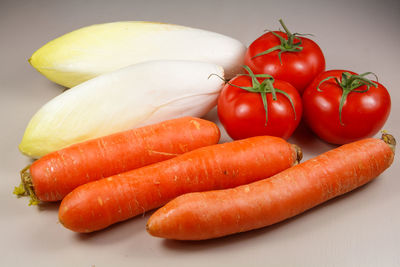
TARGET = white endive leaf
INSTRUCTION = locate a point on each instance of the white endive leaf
(91, 51)
(134, 96)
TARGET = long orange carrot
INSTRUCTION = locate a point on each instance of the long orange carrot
(96, 205)
(212, 214)
(56, 174)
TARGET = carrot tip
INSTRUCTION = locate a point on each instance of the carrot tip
(150, 229)
(389, 139)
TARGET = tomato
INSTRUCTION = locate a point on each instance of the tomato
(364, 110)
(243, 115)
(301, 58)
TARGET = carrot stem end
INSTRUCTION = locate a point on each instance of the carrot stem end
(26, 187)
(389, 140)
(299, 153)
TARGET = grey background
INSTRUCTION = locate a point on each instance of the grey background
(359, 229)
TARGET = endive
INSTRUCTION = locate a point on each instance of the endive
(134, 96)
(90, 51)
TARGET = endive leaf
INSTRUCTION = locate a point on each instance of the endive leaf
(134, 96)
(90, 51)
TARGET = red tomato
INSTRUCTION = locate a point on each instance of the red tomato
(298, 67)
(243, 115)
(363, 113)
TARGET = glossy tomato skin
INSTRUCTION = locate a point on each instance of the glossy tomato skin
(242, 113)
(297, 68)
(363, 114)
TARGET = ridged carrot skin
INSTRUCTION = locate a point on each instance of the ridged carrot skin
(212, 214)
(58, 173)
(96, 205)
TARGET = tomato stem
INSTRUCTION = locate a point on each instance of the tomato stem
(287, 45)
(264, 88)
(285, 28)
(348, 83)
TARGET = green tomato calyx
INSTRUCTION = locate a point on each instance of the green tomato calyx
(287, 45)
(349, 83)
(263, 88)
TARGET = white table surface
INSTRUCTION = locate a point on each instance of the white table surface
(358, 229)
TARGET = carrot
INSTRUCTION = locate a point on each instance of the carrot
(58, 173)
(212, 214)
(98, 204)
